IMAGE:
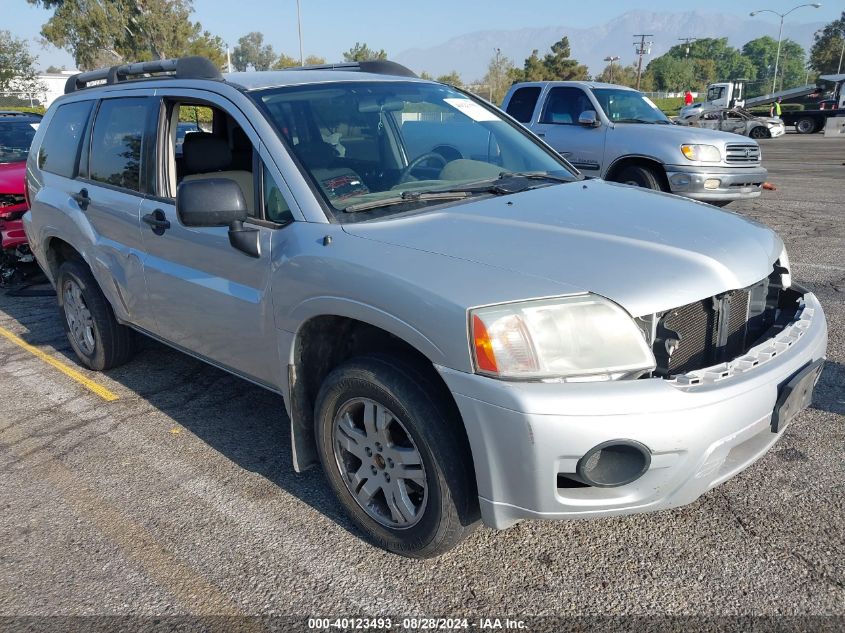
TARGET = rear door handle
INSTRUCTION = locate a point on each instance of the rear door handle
(82, 199)
(157, 221)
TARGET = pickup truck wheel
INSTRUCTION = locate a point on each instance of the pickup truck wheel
(805, 125)
(98, 339)
(638, 176)
(395, 456)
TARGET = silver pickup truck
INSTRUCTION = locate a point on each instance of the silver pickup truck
(618, 134)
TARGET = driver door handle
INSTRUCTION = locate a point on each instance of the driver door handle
(158, 221)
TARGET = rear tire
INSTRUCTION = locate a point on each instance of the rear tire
(639, 176)
(100, 342)
(805, 125)
(412, 490)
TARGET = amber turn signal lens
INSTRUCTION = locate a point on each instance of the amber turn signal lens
(485, 358)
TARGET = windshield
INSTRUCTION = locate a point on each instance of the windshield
(628, 106)
(15, 139)
(374, 149)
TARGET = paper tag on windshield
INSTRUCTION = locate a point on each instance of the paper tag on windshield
(34, 126)
(472, 109)
(650, 102)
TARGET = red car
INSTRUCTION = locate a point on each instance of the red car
(16, 132)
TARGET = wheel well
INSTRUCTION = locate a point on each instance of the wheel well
(58, 252)
(639, 161)
(322, 344)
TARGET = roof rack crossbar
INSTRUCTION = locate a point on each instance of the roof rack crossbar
(181, 68)
(375, 66)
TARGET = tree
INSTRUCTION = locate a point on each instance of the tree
(54, 69)
(761, 53)
(361, 53)
(101, 32)
(498, 77)
(426, 75)
(252, 53)
(622, 75)
(285, 61)
(826, 54)
(708, 60)
(556, 65)
(559, 64)
(453, 79)
(207, 45)
(17, 66)
(314, 60)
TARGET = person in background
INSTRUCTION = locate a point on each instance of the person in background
(687, 98)
(775, 110)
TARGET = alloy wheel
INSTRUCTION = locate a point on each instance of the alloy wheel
(78, 316)
(379, 463)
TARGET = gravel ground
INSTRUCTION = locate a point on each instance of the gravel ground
(179, 497)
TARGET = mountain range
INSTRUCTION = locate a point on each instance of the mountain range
(469, 54)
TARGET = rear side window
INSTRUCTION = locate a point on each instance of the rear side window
(564, 105)
(59, 151)
(522, 103)
(117, 142)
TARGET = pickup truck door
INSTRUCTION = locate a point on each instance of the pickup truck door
(209, 298)
(583, 146)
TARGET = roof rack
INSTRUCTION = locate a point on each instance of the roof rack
(181, 68)
(375, 66)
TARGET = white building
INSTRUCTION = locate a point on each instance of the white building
(53, 86)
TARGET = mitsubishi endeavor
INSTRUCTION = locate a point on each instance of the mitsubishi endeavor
(462, 327)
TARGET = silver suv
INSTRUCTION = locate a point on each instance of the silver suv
(460, 325)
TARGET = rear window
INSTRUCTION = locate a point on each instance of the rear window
(116, 145)
(59, 152)
(15, 139)
(521, 105)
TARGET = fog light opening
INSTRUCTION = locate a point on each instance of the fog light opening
(613, 463)
(712, 183)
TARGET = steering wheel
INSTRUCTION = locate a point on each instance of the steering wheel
(405, 175)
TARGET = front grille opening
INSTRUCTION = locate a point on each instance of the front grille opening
(721, 328)
(566, 481)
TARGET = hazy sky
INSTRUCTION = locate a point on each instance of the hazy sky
(330, 27)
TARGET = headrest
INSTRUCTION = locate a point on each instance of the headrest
(315, 154)
(205, 153)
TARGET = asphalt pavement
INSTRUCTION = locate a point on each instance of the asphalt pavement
(178, 496)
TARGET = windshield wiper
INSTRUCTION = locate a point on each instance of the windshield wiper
(633, 121)
(409, 196)
(533, 175)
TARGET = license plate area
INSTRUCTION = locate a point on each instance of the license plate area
(795, 395)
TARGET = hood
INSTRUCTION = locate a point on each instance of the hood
(646, 251)
(679, 134)
(12, 177)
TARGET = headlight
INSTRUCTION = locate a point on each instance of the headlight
(702, 153)
(785, 277)
(584, 336)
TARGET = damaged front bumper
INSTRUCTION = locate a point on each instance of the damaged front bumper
(716, 184)
(699, 429)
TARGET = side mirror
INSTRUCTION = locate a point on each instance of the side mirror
(218, 202)
(588, 118)
(210, 202)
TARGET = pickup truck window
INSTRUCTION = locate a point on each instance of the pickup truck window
(374, 149)
(564, 105)
(628, 106)
(522, 103)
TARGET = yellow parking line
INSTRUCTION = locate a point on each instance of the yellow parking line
(89, 384)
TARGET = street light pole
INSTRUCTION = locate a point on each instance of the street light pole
(299, 28)
(815, 5)
(841, 53)
(611, 59)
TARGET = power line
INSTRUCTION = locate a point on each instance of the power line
(642, 48)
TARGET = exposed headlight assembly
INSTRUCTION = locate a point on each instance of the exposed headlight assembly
(702, 153)
(786, 274)
(583, 337)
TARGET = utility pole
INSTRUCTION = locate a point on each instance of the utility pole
(299, 28)
(841, 54)
(494, 76)
(642, 48)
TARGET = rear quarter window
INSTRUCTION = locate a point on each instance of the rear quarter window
(522, 103)
(59, 151)
(117, 142)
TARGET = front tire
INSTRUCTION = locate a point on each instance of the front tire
(639, 176)
(100, 342)
(805, 125)
(395, 454)
(760, 132)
